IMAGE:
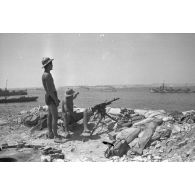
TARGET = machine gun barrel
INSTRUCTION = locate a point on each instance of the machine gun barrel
(102, 106)
(109, 102)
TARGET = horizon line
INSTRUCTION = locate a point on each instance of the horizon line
(191, 84)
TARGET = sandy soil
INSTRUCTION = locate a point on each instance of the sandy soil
(76, 148)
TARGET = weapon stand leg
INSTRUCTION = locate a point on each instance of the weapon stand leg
(96, 125)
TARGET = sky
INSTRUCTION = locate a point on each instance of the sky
(97, 59)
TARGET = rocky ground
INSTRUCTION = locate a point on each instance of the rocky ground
(173, 140)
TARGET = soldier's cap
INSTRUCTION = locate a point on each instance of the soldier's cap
(45, 61)
(69, 92)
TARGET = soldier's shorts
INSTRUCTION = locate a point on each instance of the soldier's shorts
(75, 117)
(49, 100)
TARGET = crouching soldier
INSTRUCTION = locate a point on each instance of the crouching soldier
(70, 117)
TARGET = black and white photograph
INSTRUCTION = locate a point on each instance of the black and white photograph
(97, 97)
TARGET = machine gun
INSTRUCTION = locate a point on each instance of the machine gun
(100, 110)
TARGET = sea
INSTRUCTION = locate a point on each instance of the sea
(132, 97)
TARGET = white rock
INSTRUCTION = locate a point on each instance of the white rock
(128, 133)
(23, 112)
(45, 158)
(154, 143)
(140, 112)
(124, 158)
(114, 111)
(34, 110)
(167, 118)
(165, 161)
(134, 143)
(154, 113)
(58, 160)
(138, 158)
(188, 112)
(143, 122)
(45, 108)
(115, 158)
(176, 129)
(141, 134)
(157, 158)
(157, 146)
(149, 157)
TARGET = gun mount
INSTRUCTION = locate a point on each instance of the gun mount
(100, 110)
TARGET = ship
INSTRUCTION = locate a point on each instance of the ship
(6, 92)
(165, 89)
(7, 96)
(18, 100)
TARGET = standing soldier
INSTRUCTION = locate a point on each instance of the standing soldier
(51, 99)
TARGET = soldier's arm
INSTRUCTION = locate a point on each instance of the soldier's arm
(75, 96)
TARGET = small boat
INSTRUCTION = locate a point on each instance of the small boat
(18, 100)
(7, 93)
(12, 92)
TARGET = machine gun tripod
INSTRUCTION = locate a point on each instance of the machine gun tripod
(99, 111)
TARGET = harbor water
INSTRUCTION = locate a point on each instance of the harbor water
(135, 98)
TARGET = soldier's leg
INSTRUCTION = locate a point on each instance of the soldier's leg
(66, 119)
(86, 116)
(54, 113)
(82, 115)
(49, 123)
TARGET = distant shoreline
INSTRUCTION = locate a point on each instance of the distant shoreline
(114, 86)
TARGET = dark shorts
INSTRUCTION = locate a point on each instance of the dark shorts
(49, 100)
(75, 117)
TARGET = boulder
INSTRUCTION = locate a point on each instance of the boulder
(23, 112)
(45, 158)
(143, 122)
(148, 132)
(161, 132)
(128, 134)
(114, 111)
(154, 113)
(134, 143)
(188, 112)
(176, 128)
(140, 112)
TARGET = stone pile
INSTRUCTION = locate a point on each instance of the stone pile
(50, 154)
(171, 140)
(152, 135)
